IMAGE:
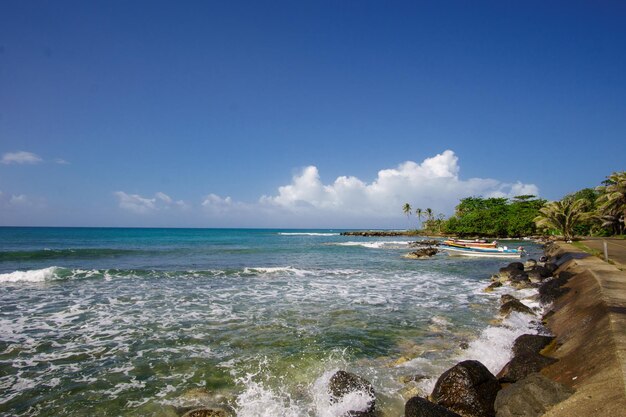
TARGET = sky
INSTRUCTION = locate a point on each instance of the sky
(301, 114)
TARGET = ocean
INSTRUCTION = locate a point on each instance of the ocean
(151, 322)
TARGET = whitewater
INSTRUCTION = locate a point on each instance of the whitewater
(113, 322)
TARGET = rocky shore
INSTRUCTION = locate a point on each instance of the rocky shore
(381, 233)
(578, 370)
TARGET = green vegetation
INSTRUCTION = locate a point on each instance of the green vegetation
(600, 212)
(564, 216)
(495, 217)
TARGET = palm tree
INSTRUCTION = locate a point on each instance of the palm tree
(612, 198)
(563, 216)
(407, 209)
(418, 213)
(429, 213)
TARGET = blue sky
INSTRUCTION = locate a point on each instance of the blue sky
(301, 114)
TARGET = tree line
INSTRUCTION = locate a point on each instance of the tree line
(596, 211)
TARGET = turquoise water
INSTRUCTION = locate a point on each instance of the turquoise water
(115, 322)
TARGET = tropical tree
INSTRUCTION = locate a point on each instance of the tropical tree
(418, 213)
(407, 209)
(612, 199)
(429, 213)
(563, 216)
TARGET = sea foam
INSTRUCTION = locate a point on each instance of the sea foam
(35, 275)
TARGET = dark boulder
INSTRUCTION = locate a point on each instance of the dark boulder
(516, 265)
(343, 383)
(505, 298)
(421, 407)
(523, 365)
(422, 253)
(493, 286)
(530, 397)
(207, 412)
(551, 267)
(530, 343)
(468, 388)
(514, 305)
(552, 289)
(530, 264)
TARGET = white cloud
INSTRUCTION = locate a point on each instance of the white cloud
(345, 202)
(61, 161)
(20, 157)
(142, 205)
(433, 183)
(20, 201)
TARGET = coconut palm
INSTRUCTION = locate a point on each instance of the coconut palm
(612, 198)
(407, 209)
(429, 213)
(563, 216)
(418, 213)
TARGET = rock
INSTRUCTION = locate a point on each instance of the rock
(468, 388)
(530, 343)
(534, 276)
(551, 289)
(422, 253)
(207, 412)
(493, 286)
(421, 407)
(514, 305)
(424, 242)
(343, 383)
(530, 397)
(505, 298)
(516, 265)
(551, 266)
(523, 365)
(530, 264)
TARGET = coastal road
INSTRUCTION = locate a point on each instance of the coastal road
(616, 249)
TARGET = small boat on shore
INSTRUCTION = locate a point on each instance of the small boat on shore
(470, 243)
(498, 252)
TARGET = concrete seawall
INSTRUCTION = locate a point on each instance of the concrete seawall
(589, 322)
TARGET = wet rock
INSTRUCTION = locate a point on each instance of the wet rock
(493, 286)
(523, 365)
(530, 397)
(534, 276)
(516, 265)
(208, 412)
(468, 388)
(552, 289)
(514, 305)
(551, 266)
(530, 264)
(425, 242)
(421, 407)
(343, 383)
(422, 253)
(530, 343)
(505, 298)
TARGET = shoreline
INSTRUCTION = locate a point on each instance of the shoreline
(578, 371)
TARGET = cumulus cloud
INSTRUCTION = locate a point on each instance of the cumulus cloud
(433, 183)
(141, 205)
(20, 157)
(20, 201)
(346, 202)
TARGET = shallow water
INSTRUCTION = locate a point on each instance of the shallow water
(149, 321)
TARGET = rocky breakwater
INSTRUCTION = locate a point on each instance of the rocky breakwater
(380, 233)
(579, 371)
(469, 389)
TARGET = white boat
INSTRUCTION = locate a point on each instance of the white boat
(499, 252)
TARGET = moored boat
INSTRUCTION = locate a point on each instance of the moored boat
(498, 252)
(470, 243)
